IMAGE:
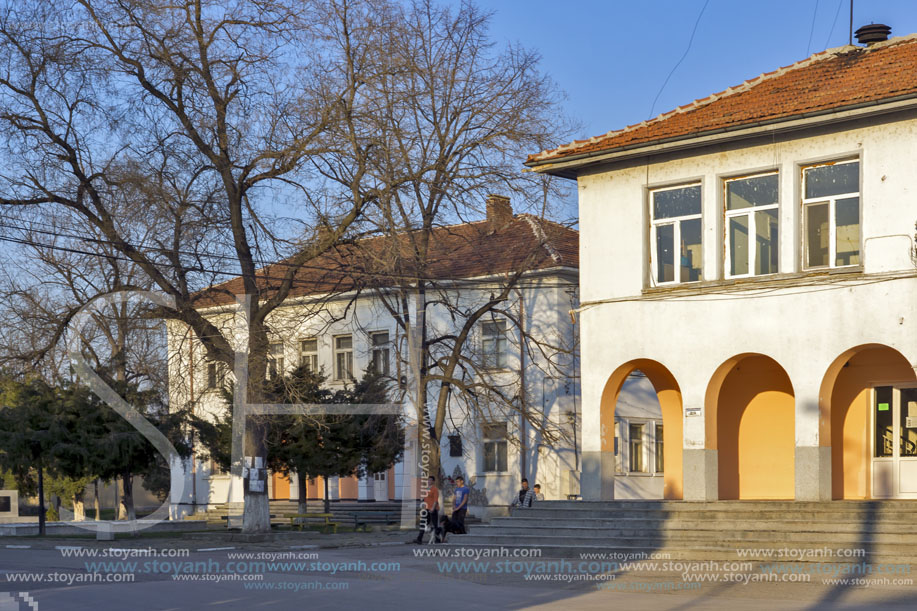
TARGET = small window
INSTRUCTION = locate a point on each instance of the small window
(493, 344)
(660, 462)
(455, 446)
(343, 358)
(275, 361)
(308, 354)
(495, 447)
(676, 234)
(637, 464)
(380, 352)
(831, 215)
(751, 226)
(216, 376)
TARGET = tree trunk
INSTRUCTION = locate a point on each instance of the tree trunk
(256, 513)
(41, 499)
(301, 484)
(126, 508)
(97, 502)
(327, 500)
(79, 509)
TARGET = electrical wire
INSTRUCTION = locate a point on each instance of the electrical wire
(684, 55)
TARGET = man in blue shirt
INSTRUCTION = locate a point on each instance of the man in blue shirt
(460, 505)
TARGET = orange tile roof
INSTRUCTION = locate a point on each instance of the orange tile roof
(828, 81)
(469, 250)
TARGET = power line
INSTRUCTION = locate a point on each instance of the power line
(812, 29)
(837, 13)
(684, 55)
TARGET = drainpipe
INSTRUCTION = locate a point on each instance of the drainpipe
(523, 428)
(191, 395)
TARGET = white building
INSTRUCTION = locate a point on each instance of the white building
(342, 332)
(752, 253)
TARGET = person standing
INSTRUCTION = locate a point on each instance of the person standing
(525, 496)
(460, 506)
(430, 510)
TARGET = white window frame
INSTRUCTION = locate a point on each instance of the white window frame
(494, 358)
(648, 446)
(275, 364)
(383, 349)
(347, 353)
(310, 355)
(676, 221)
(749, 213)
(216, 375)
(832, 216)
(498, 442)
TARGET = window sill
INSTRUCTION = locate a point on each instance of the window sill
(755, 282)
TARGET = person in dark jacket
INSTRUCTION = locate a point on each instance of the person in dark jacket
(526, 497)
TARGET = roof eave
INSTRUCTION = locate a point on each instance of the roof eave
(570, 166)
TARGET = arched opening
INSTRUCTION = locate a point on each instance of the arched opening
(659, 447)
(845, 400)
(750, 421)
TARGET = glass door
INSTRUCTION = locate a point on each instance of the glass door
(894, 447)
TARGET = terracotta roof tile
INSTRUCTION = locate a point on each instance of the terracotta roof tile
(830, 80)
(468, 250)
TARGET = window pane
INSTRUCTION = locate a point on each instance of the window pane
(817, 235)
(344, 342)
(847, 219)
(883, 417)
(827, 180)
(766, 241)
(754, 191)
(738, 245)
(309, 345)
(660, 461)
(907, 416)
(676, 202)
(501, 456)
(690, 250)
(665, 261)
(490, 457)
(636, 447)
(380, 339)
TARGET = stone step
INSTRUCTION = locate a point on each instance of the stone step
(727, 504)
(798, 537)
(719, 514)
(828, 526)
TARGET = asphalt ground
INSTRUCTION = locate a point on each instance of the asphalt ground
(380, 570)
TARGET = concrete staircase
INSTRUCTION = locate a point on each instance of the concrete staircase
(383, 512)
(782, 531)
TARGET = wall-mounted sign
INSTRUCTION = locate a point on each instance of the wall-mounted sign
(910, 423)
(883, 407)
(693, 411)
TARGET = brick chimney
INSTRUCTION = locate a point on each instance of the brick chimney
(499, 212)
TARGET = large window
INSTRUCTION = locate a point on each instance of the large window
(308, 354)
(493, 344)
(495, 447)
(751, 225)
(275, 361)
(831, 214)
(343, 358)
(676, 234)
(380, 352)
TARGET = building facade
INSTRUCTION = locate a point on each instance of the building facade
(342, 334)
(752, 254)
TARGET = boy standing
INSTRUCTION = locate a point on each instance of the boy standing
(460, 506)
(429, 513)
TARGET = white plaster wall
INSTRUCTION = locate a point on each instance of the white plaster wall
(546, 310)
(804, 328)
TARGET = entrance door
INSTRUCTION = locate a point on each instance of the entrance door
(380, 486)
(894, 447)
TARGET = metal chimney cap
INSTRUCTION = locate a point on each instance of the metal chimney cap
(872, 33)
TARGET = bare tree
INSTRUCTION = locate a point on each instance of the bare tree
(454, 112)
(174, 133)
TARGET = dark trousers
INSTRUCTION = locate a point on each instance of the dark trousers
(458, 520)
(432, 521)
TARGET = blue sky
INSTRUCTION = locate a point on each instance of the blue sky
(611, 57)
